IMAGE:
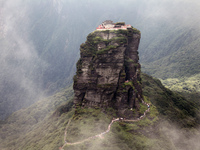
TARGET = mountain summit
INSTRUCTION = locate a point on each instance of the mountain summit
(108, 72)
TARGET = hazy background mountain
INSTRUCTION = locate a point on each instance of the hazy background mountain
(40, 40)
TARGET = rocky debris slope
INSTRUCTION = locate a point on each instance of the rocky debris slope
(108, 71)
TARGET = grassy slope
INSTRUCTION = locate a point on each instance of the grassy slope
(41, 127)
(170, 104)
(34, 128)
(123, 136)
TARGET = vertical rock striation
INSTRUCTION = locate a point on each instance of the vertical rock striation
(108, 72)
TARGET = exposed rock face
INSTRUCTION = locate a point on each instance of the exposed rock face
(108, 72)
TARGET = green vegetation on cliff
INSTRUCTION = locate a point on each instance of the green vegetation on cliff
(89, 48)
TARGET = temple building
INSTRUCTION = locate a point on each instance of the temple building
(110, 25)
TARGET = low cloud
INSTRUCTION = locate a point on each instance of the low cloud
(18, 59)
(182, 139)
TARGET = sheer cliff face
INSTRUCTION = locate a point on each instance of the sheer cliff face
(108, 72)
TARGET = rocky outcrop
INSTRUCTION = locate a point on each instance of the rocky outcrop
(108, 72)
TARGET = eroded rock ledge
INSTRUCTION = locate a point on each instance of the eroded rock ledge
(108, 72)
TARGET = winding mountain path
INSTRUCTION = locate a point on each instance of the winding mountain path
(105, 132)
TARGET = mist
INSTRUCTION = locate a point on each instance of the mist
(19, 84)
(171, 137)
(182, 139)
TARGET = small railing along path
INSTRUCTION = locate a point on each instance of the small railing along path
(105, 132)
